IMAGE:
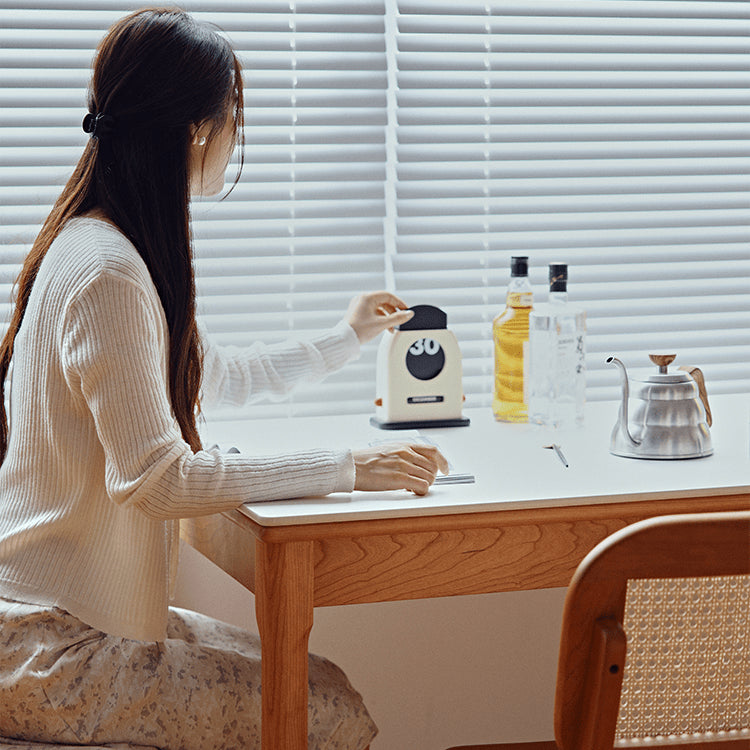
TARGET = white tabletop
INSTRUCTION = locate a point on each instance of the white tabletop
(510, 464)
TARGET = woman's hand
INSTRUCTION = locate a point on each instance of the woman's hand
(371, 313)
(398, 467)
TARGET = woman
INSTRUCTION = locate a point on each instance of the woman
(103, 456)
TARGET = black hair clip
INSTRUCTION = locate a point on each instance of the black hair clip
(98, 125)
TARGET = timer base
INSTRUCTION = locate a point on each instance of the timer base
(416, 424)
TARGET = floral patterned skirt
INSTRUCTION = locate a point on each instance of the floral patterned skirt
(61, 681)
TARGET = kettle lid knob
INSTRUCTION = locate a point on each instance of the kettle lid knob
(662, 360)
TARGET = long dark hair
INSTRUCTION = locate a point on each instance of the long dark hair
(157, 73)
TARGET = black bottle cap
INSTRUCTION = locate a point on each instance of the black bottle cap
(558, 277)
(519, 265)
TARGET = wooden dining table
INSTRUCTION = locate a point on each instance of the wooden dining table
(525, 522)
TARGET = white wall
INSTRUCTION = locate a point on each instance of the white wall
(433, 673)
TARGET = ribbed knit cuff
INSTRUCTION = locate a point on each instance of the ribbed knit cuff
(346, 475)
(338, 346)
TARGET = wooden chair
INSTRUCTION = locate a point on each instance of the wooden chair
(674, 593)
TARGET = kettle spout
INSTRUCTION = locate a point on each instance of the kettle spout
(624, 404)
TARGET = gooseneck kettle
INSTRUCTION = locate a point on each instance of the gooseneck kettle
(663, 415)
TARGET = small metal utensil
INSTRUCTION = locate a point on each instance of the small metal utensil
(555, 447)
(454, 479)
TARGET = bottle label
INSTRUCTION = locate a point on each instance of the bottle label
(520, 299)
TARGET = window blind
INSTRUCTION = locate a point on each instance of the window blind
(419, 145)
(300, 234)
(613, 135)
(303, 231)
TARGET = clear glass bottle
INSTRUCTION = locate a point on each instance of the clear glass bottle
(510, 334)
(557, 356)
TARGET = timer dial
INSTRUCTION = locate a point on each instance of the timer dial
(425, 359)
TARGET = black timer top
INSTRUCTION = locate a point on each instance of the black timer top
(425, 318)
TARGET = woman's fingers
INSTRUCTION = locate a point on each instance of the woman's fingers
(433, 455)
(386, 300)
(400, 466)
(371, 313)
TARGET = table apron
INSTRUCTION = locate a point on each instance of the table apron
(417, 565)
(399, 559)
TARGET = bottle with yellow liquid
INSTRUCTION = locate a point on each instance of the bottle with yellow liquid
(510, 334)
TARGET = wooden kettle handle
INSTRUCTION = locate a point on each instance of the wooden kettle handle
(696, 374)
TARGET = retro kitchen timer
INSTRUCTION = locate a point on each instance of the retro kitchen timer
(418, 376)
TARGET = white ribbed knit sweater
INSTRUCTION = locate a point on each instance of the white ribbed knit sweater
(97, 471)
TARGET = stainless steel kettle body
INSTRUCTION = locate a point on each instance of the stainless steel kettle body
(664, 415)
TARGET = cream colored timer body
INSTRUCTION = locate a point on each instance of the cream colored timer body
(418, 377)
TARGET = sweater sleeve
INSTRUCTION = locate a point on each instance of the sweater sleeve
(114, 345)
(236, 376)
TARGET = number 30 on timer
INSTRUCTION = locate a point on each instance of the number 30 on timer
(425, 359)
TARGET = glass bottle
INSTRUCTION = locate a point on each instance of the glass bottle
(557, 356)
(510, 334)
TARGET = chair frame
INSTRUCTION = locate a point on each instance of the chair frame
(593, 642)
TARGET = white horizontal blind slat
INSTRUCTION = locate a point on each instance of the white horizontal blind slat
(612, 135)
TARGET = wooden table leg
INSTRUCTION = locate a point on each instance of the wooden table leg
(284, 607)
